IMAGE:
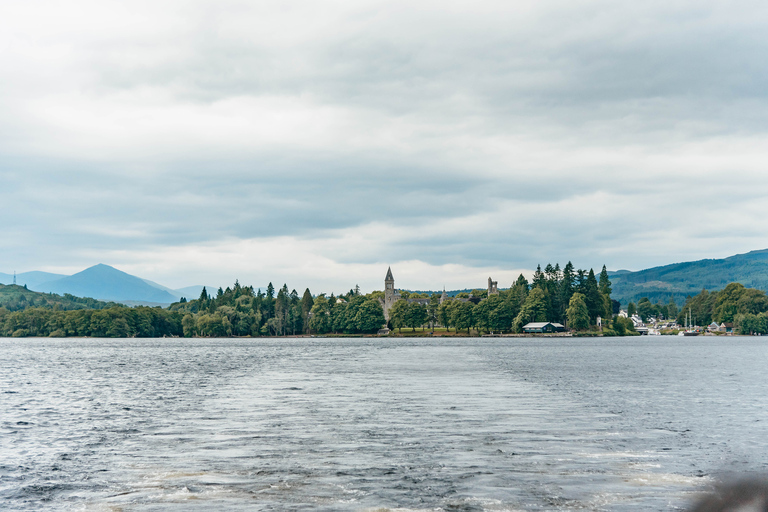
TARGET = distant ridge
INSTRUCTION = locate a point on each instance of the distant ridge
(31, 279)
(103, 282)
(679, 280)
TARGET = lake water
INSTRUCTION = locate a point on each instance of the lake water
(376, 424)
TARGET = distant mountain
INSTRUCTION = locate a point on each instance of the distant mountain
(164, 288)
(681, 279)
(103, 282)
(31, 279)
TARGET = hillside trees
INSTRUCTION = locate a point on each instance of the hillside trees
(734, 304)
(557, 287)
(578, 312)
(595, 302)
(398, 313)
(416, 315)
(370, 316)
(116, 321)
(306, 306)
(534, 309)
(462, 315)
(18, 298)
(604, 287)
(241, 311)
(320, 316)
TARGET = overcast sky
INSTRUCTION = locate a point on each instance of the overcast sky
(315, 143)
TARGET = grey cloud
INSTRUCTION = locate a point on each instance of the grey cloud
(573, 76)
(647, 68)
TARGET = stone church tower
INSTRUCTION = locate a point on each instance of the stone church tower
(390, 295)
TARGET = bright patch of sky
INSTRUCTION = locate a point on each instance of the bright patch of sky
(317, 143)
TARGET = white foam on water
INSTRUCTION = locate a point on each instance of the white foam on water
(621, 455)
(606, 499)
(386, 509)
(98, 507)
(346, 490)
(643, 465)
(489, 504)
(666, 479)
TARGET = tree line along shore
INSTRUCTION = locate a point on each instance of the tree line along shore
(578, 299)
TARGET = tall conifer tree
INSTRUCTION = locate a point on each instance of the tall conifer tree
(592, 297)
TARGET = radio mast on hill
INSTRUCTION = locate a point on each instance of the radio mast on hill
(14, 277)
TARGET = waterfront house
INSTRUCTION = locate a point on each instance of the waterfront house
(542, 327)
(725, 327)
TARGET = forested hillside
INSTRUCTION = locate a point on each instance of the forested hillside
(17, 298)
(680, 280)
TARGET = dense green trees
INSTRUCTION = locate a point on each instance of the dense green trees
(238, 311)
(578, 313)
(750, 323)
(117, 321)
(461, 315)
(746, 308)
(534, 309)
(241, 311)
(547, 298)
(359, 314)
(17, 298)
(671, 309)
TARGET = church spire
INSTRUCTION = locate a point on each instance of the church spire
(389, 275)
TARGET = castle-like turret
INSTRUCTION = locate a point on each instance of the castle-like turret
(390, 296)
(493, 287)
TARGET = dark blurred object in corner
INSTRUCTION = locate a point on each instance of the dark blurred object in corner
(744, 496)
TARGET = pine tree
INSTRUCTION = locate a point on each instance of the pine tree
(605, 290)
(282, 309)
(605, 283)
(306, 306)
(592, 297)
(672, 308)
(567, 284)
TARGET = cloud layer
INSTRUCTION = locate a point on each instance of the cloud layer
(316, 143)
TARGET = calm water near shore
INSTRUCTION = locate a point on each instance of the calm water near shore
(367, 424)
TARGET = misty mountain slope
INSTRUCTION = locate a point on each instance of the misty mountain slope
(31, 279)
(106, 283)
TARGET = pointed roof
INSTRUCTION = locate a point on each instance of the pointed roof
(389, 275)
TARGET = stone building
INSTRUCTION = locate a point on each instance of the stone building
(390, 294)
(493, 287)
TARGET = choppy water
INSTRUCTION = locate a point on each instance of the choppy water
(363, 424)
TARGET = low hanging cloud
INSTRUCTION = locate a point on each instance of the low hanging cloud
(322, 142)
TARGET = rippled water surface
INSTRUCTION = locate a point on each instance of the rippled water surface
(368, 424)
